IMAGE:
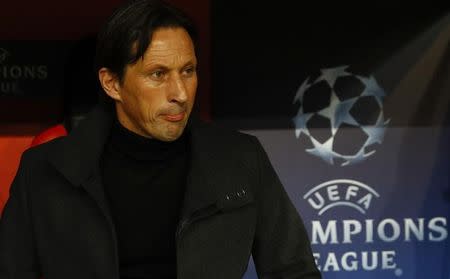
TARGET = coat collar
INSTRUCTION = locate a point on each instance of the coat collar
(77, 157)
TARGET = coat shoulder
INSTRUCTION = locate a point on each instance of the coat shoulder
(227, 138)
(239, 149)
(40, 152)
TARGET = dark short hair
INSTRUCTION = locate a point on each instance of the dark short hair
(127, 33)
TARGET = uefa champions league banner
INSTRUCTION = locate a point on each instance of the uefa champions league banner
(377, 214)
(375, 195)
(364, 156)
(32, 69)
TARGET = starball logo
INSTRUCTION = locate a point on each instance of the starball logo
(3, 55)
(328, 110)
(365, 244)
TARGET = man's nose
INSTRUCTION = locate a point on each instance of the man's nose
(177, 90)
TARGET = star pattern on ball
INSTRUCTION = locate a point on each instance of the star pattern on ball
(375, 132)
(339, 112)
(331, 74)
(322, 150)
(300, 123)
(358, 157)
(372, 89)
(301, 90)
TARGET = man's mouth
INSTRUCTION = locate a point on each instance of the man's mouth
(174, 117)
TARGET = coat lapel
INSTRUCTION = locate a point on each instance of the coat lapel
(214, 182)
(78, 155)
(200, 191)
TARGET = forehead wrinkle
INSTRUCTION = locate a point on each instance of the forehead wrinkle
(162, 52)
(169, 47)
(163, 44)
(168, 60)
(168, 57)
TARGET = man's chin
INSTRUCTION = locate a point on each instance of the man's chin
(172, 133)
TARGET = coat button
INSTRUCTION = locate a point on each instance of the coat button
(241, 193)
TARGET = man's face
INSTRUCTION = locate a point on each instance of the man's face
(157, 93)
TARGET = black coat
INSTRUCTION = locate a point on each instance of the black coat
(56, 222)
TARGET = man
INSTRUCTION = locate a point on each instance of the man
(145, 190)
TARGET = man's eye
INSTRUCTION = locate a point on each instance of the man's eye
(158, 74)
(189, 71)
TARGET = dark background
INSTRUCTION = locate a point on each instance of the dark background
(262, 51)
(253, 54)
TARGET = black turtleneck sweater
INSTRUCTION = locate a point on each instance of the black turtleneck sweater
(144, 181)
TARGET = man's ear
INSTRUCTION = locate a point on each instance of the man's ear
(110, 83)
